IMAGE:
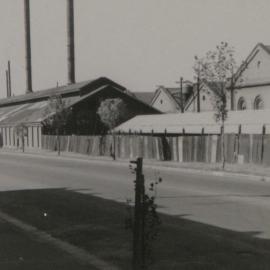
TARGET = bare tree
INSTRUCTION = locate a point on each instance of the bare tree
(217, 69)
(57, 114)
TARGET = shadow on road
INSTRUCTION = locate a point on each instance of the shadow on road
(97, 225)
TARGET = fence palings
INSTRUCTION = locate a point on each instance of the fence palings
(266, 150)
(244, 146)
(183, 148)
(230, 147)
(256, 148)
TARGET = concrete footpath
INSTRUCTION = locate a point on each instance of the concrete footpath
(259, 172)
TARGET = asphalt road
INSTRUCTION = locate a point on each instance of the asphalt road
(237, 203)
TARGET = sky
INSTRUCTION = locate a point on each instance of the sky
(138, 43)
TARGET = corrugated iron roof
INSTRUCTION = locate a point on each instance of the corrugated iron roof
(193, 123)
(31, 108)
(66, 89)
(36, 112)
(61, 90)
(25, 113)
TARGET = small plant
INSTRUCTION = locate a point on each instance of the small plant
(152, 222)
(143, 218)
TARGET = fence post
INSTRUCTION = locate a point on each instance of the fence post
(58, 141)
(238, 139)
(262, 150)
(114, 147)
(250, 148)
(202, 149)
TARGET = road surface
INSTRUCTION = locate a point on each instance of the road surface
(228, 202)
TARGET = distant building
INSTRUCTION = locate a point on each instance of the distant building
(168, 99)
(251, 89)
(202, 100)
(252, 80)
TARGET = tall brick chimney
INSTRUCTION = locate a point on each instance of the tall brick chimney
(28, 47)
(70, 41)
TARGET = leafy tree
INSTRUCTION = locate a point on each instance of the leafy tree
(113, 111)
(57, 114)
(217, 68)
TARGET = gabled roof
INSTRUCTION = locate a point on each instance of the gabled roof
(145, 96)
(213, 86)
(266, 47)
(79, 88)
(176, 95)
(249, 58)
(32, 108)
(36, 112)
(173, 93)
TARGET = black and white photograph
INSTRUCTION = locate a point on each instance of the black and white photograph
(134, 135)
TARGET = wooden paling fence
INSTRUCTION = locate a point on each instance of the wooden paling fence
(251, 148)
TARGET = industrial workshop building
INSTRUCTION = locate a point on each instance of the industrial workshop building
(82, 98)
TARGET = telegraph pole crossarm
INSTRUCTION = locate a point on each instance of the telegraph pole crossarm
(180, 82)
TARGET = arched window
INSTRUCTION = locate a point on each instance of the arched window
(258, 103)
(241, 105)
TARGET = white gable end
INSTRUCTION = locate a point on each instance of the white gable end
(258, 69)
(164, 103)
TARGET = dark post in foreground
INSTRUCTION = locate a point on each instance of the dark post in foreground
(145, 221)
(138, 229)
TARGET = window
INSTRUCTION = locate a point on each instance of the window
(241, 105)
(161, 101)
(258, 64)
(203, 97)
(258, 103)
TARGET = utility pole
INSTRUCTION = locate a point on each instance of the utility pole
(232, 93)
(198, 95)
(181, 94)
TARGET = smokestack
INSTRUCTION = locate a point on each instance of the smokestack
(70, 41)
(9, 80)
(28, 47)
(7, 83)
